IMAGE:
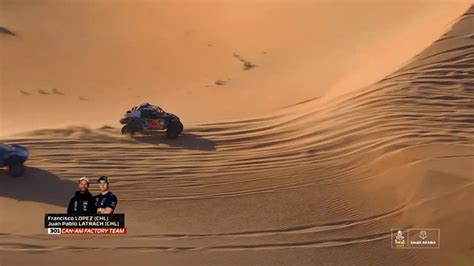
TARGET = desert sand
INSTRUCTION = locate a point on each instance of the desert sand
(341, 132)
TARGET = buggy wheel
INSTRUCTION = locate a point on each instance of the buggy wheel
(124, 130)
(132, 127)
(16, 168)
(172, 132)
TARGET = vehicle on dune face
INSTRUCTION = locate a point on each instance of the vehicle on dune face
(13, 156)
(148, 118)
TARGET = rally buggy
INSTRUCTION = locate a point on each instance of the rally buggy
(13, 156)
(148, 118)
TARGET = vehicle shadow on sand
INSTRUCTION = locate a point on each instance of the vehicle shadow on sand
(187, 141)
(36, 185)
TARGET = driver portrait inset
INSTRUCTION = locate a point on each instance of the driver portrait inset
(105, 201)
(83, 202)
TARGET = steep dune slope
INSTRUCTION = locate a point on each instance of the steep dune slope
(87, 62)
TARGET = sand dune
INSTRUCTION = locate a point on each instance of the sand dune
(321, 181)
(108, 56)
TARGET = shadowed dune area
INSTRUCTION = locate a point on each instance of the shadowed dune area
(304, 181)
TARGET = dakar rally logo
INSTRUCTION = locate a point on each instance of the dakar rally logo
(399, 240)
